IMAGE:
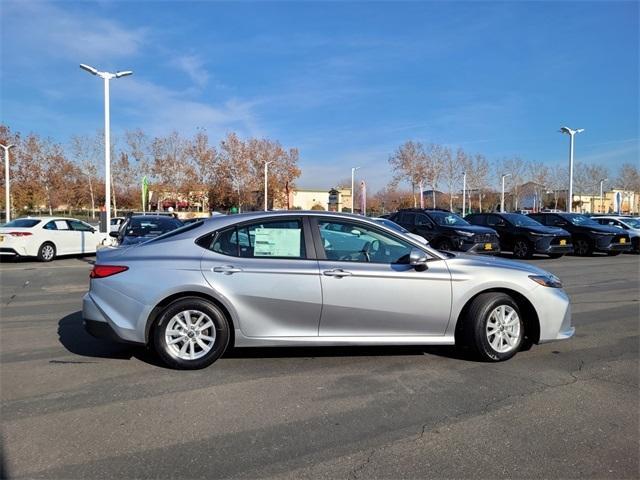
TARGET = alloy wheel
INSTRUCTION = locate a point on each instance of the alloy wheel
(190, 335)
(503, 329)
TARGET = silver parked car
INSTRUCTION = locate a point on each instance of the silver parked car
(314, 278)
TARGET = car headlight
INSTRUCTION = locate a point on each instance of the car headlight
(465, 234)
(547, 280)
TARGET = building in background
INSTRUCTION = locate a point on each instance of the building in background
(333, 199)
(627, 202)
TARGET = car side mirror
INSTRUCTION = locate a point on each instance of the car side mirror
(113, 234)
(418, 259)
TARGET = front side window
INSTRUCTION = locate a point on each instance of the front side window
(422, 219)
(447, 219)
(79, 226)
(353, 242)
(494, 221)
(279, 239)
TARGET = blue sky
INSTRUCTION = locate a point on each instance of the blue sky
(344, 82)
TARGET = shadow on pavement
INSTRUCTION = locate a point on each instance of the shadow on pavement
(76, 340)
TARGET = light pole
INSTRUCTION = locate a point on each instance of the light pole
(464, 192)
(504, 175)
(266, 166)
(106, 76)
(571, 133)
(601, 201)
(7, 197)
(353, 176)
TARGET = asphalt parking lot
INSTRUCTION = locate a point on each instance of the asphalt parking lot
(77, 407)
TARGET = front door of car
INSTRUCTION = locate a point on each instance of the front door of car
(369, 288)
(265, 272)
(424, 227)
(500, 225)
(85, 239)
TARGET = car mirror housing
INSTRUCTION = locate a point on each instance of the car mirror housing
(113, 234)
(418, 259)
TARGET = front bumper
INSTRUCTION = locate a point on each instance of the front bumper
(608, 244)
(484, 248)
(554, 314)
(551, 245)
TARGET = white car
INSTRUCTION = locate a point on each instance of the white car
(48, 237)
(116, 223)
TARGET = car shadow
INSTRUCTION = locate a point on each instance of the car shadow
(75, 339)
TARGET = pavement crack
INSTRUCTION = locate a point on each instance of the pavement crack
(354, 473)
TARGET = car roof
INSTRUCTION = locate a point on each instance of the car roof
(46, 218)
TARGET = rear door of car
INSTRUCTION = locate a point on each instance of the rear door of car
(59, 232)
(267, 272)
(504, 229)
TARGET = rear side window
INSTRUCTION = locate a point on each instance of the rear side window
(79, 226)
(477, 219)
(408, 218)
(279, 239)
(22, 223)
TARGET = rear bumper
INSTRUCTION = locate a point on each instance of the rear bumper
(103, 330)
(99, 325)
(9, 252)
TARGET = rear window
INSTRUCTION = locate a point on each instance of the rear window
(22, 223)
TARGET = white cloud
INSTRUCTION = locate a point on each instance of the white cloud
(193, 66)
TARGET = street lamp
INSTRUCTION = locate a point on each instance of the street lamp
(353, 197)
(571, 133)
(106, 76)
(7, 197)
(266, 165)
(504, 175)
(601, 202)
(464, 192)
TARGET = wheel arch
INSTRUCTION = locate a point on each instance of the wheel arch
(43, 243)
(155, 312)
(530, 315)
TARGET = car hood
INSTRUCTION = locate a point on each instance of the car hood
(547, 230)
(467, 260)
(603, 229)
(470, 228)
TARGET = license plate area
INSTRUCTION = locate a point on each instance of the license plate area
(563, 242)
(488, 246)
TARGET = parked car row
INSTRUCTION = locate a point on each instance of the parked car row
(550, 233)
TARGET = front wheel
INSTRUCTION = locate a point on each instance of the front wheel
(190, 334)
(493, 327)
(582, 247)
(522, 249)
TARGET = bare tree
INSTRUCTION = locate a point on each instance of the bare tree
(516, 168)
(435, 164)
(409, 163)
(558, 181)
(477, 173)
(452, 169)
(86, 154)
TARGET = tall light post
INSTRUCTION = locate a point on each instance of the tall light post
(504, 175)
(266, 166)
(571, 133)
(106, 76)
(601, 200)
(353, 196)
(7, 197)
(464, 192)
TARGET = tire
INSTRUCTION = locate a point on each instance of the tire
(613, 254)
(483, 317)
(187, 352)
(556, 255)
(522, 249)
(582, 247)
(47, 252)
(444, 245)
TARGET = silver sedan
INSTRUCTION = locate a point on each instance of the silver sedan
(310, 279)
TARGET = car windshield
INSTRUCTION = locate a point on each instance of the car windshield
(578, 219)
(447, 219)
(151, 226)
(391, 224)
(22, 223)
(520, 220)
(632, 222)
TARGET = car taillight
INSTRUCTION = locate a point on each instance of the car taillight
(101, 271)
(20, 234)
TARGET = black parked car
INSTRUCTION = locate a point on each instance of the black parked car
(140, 228)
(447, 231)
(588, 235)
(523, 236)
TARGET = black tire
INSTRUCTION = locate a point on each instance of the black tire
(220, 326)
(522, 248)
(474, 326)
(47, 252)
(444, 245)
(582, 247)
(556, 255)
(613, 254)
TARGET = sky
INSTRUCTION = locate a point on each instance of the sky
(344, 82)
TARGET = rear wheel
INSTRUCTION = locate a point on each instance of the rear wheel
(191, 333)
(493, 327)
(47, 252)
(522, 249)
(583, 247)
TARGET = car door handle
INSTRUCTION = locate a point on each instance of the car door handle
(337, 272)
(227, 269)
